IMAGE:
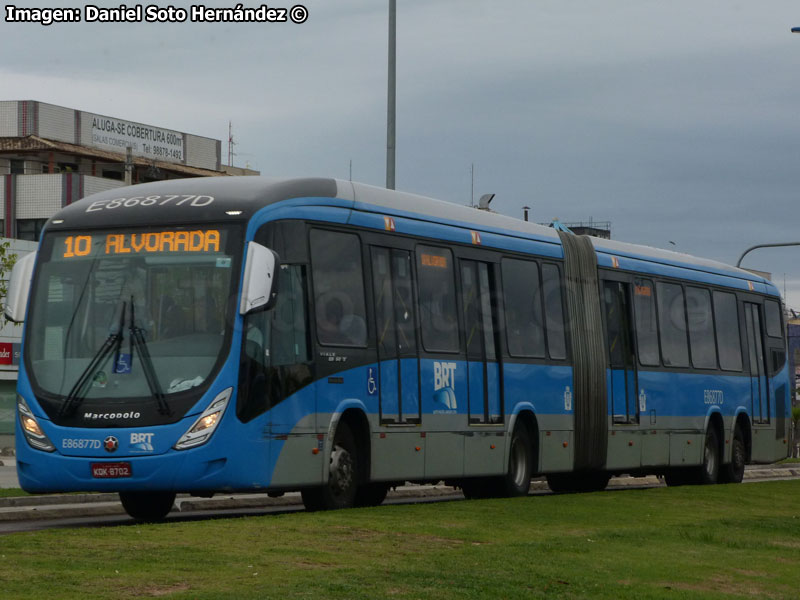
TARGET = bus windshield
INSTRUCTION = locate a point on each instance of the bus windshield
(130, 313)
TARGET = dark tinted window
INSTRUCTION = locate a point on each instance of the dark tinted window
(523, 307)
(772, 312)
(338, 288)
(701, 328)
(672, 325)
(554, 311)
(729, 344)
(437, 299)
(644, 308)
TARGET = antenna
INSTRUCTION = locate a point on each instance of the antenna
(472, 185)
(231, 144)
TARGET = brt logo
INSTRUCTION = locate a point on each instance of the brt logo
(444, 375)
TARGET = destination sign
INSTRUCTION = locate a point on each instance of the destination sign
(148, 242)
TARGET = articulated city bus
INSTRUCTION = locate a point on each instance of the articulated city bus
(252, 334)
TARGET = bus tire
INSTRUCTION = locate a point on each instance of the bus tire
(371, 494)
(733, 472)
(709, 470)
(147, 506)
(340, 490)
(517, 480)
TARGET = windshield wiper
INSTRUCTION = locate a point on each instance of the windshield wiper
(80, 389)
(138, 341)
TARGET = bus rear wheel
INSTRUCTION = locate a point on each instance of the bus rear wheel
(147, 506)
(340, 490)
(517, 480)
(733, 472)
(709, 470)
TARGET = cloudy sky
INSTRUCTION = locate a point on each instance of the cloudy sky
(678, 121)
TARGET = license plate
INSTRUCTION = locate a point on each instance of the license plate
(111, 470)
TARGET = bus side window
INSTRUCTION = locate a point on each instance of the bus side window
(644, 308)
(701, 328)
(289, 343)
(772, 312)
(554, 311)
(338, 279)
(437, 299)
(729, 344)
(522, 292)
(672, 325)
(275, 347)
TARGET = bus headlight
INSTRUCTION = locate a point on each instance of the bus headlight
(30, 427)
(205, 425)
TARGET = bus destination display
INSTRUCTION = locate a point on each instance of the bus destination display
(110, 244)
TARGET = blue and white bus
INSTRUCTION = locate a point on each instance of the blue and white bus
(252, 334)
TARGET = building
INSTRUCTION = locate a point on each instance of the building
(51, 156)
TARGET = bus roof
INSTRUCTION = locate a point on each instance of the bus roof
(186, 201)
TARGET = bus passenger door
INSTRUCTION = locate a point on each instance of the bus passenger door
(398, 366)
(622, 360)
(483, 369)
(758, 377)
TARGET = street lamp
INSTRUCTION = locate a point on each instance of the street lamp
(390, 109)
(739, 262)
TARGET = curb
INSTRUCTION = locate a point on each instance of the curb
(60, 506)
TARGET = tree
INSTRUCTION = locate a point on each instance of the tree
(7, 261)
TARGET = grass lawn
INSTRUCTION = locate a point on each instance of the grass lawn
(12, 492)
(706, 542)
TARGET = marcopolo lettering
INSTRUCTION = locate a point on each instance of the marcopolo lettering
(90, 416)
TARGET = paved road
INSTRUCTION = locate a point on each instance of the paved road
(8, 473)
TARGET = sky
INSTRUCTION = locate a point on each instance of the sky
(678, 122)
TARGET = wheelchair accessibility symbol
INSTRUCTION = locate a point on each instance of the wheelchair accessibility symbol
(122, 364)
(372, 384)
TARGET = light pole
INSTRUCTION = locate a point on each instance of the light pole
(390, 112)
(739, 262)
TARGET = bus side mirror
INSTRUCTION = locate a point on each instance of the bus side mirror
(260, 284)
(19, 288)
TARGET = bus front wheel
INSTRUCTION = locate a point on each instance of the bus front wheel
(340, 490)
(147, 506)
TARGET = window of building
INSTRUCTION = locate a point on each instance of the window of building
(701, 328)
(672, 325)
(338, 288)
(522, 292)
(644, 309)
(30, 229)
(437, 299)
(109, 174)
(729, 344)
(17, 166)
(554, 311)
